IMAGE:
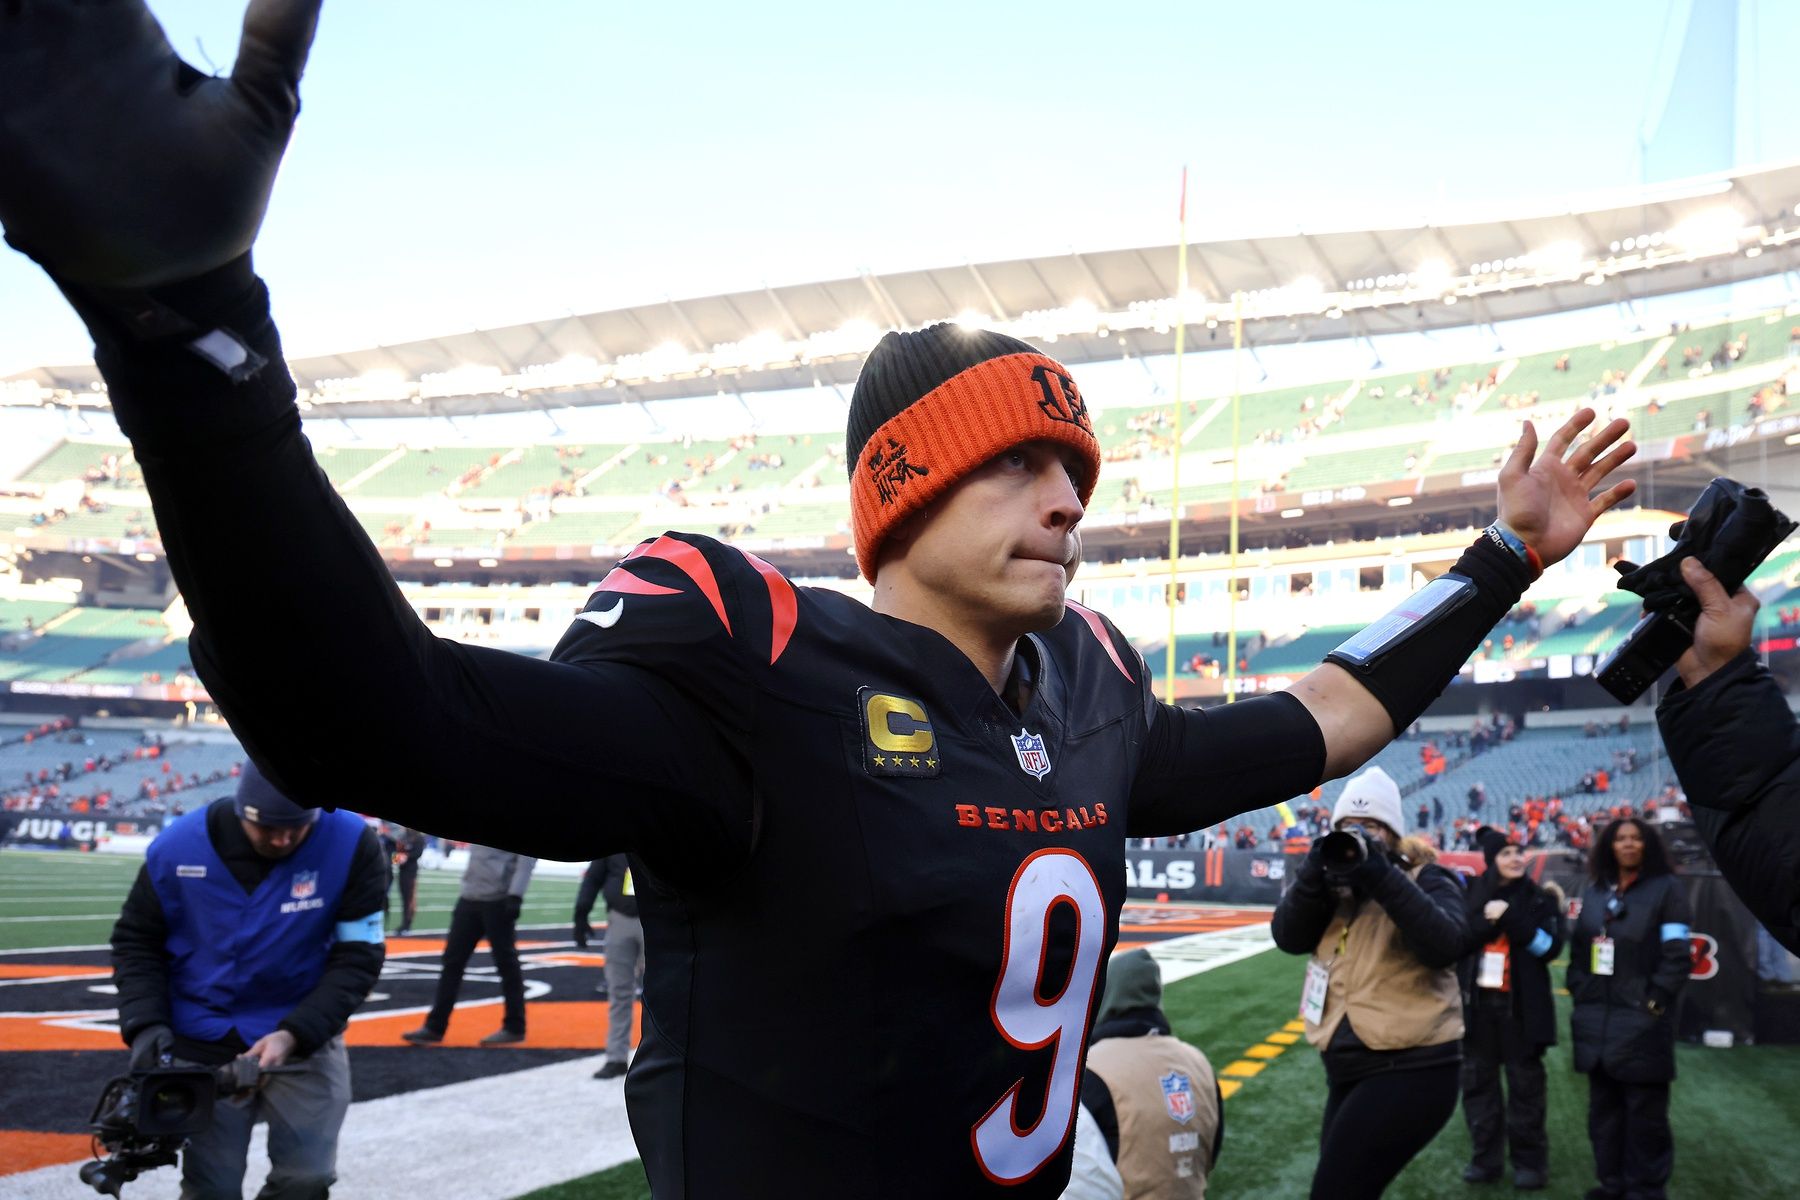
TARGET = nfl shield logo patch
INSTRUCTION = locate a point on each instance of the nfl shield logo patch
(1178, 1096)
(1033, 758)
(305, 884)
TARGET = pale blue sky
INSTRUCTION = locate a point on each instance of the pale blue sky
(464, 164)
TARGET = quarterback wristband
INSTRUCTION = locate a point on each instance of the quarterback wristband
(1407, 658)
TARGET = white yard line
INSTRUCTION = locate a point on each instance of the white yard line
(1197, 953)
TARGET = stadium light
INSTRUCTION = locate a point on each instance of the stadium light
(970, 319)
(1559, 257)
(1289, 514)
(1399, 501)
(1432, 275)
(1714, 231)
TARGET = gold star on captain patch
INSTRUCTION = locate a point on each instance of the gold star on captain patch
(915, 760)
(932, 763)
(880, 761)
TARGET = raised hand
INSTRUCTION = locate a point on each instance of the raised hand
(120, 165)
(1548, 499)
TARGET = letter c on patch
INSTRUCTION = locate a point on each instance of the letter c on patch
(897, 725)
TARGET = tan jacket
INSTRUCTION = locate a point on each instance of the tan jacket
(1394, 1001)
(1161, 1156)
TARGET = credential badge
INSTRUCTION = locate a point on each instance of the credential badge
(1178, 1096)
(305, 884)
(1034, 759)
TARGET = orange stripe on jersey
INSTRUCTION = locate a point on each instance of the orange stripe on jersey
(1093, 622)
(782, 603)
(620, 580)
(691, 563)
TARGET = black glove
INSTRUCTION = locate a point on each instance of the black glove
(150, 1045)
(514, 906)
(1367, 875)
(1517, 922)
(123, 169)
(1312, 867)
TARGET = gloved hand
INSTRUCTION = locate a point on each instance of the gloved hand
(121, 166)
(1368, 874)
(1312, 867)
(149, 1046)
(514, 906)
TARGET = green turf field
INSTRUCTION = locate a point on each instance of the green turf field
(1735, 1112)
(69, 899)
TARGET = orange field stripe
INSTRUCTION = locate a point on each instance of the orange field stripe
(35, 1033)
(25, 1151)
(46, 971)
(565, 1025)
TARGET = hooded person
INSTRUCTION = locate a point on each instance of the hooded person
(1515, 931)
(1384, 926)
(1154, 1099)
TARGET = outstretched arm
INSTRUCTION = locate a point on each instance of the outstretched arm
(139, 184)
(1547, 502)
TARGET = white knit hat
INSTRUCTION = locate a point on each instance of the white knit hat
(1371, 794)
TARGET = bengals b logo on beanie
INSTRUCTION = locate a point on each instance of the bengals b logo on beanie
(932, 405)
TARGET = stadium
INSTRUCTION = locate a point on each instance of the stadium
(1299, 430)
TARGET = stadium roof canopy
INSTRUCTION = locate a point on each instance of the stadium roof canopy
(1293, 287)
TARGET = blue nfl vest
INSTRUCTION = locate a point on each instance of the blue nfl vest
(242, 961)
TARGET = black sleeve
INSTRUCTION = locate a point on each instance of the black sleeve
(1735, 746)
(1096, 1097)
(1219, 1130)
(343, 696)
(1675, 958)
(1203, 766)
(351, 967)
(140, 959)
(1302, 916)
(1524, 922)
(1429, 914)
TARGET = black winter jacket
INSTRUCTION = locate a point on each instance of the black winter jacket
(1612, 1026)
(1535, 932)
(1735, 747)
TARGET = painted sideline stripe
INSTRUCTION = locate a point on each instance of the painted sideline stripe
(539, 1127)
(1184, 957)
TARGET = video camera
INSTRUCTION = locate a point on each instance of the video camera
(142, 1120)
(1730, 529)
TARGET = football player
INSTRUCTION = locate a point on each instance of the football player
(878, 850)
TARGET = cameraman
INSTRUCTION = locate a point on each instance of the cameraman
(1735, 747)
(254, 929)
(1385, 927)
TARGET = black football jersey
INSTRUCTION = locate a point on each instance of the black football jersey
(891, 996)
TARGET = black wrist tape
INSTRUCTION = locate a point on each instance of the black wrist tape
(1407, 658)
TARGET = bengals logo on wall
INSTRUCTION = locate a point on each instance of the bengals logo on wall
(1703, 948)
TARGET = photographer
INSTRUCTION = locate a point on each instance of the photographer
(1515, 930)
(254, 929)
(1385, 927)
(1735, 746)
(1628, 960)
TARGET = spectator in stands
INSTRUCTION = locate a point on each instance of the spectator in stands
(1628, 961)
(1380, 1000)
(1153, 1098)
(1516, 929)
(265, 958)
(493, 894)
(1735, 746)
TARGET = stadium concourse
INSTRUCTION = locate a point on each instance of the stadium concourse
(1352, 445)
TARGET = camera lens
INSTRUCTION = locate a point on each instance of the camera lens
(170, 1105)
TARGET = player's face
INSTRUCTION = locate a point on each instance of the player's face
(1000, 548)
(274, 841)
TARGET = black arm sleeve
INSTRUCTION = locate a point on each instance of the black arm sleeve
(1096, 1095)
(342, 695)
(1203, 766)
(140, 960)
(1675, 961)
(1429, 914)
(351, 968)
(1301, 917)
(1735, 746)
